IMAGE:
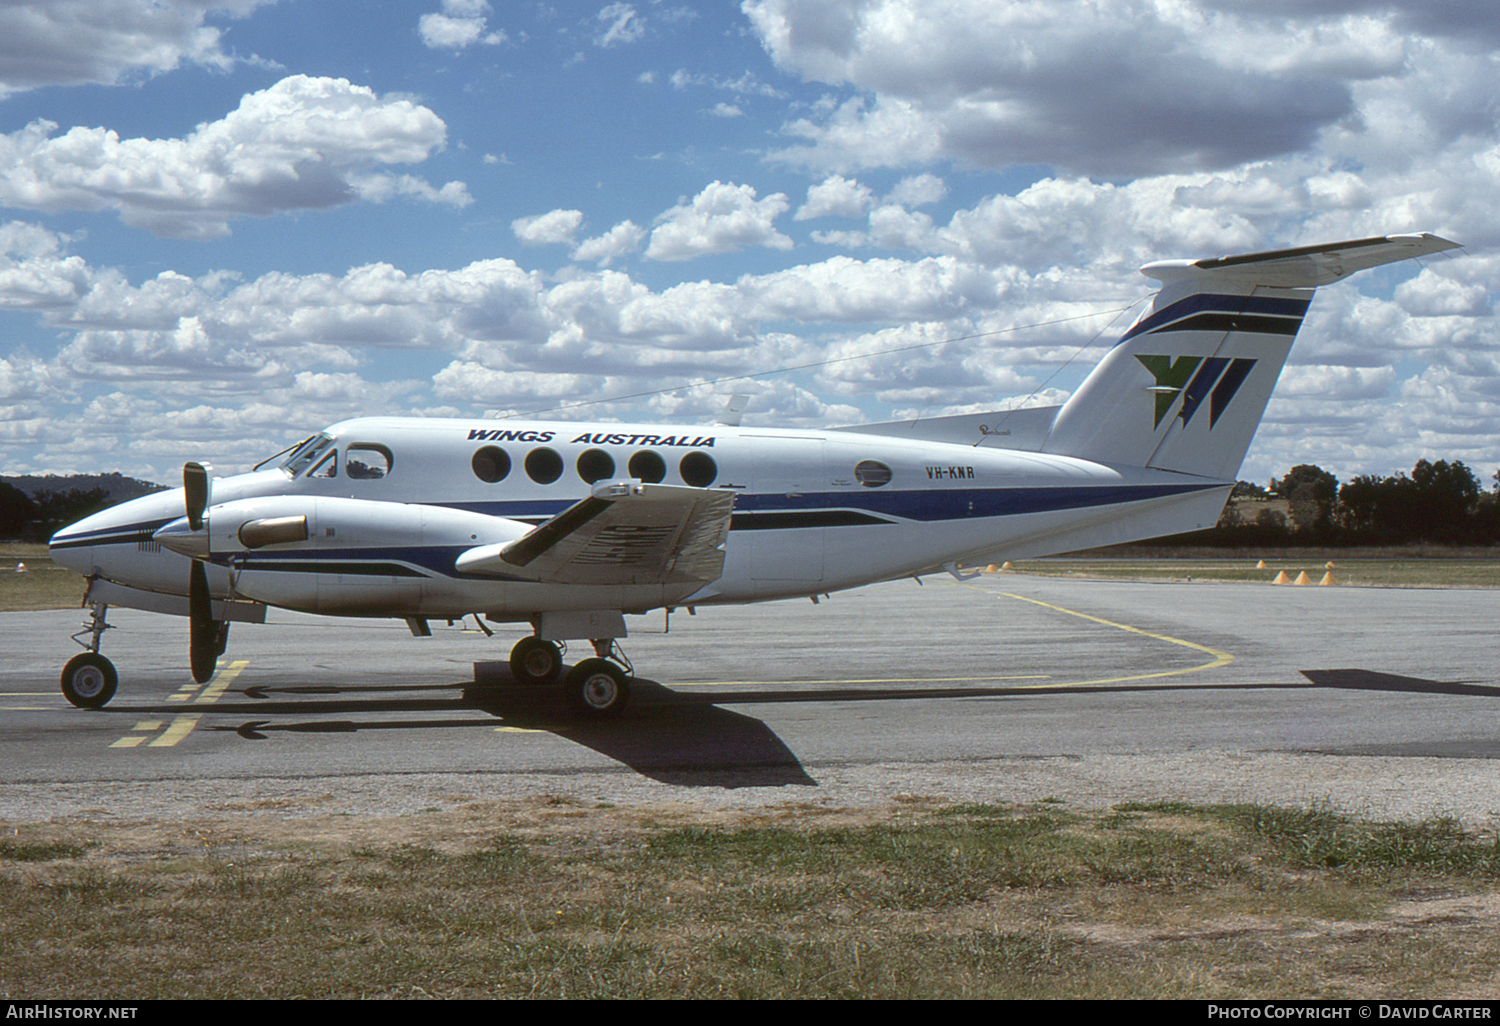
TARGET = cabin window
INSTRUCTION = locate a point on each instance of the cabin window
(544, 465)
(648, 466)
(872, 473)
(595, 465)
(698, 469)
(491, 464)
(367, 461)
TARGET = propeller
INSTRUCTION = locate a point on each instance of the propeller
(207, 637)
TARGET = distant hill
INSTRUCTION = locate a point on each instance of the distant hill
(116, 486)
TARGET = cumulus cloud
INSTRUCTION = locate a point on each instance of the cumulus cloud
(461, 23)
(621, 240)
(1133, 162)
(722, 218)
(556, 227)
(835, 196)
(1103, 87)
(304, 143)
(102, 42)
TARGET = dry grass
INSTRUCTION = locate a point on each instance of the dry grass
(42, 585)
(551, 898)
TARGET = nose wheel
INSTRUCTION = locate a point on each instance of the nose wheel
(89, 680)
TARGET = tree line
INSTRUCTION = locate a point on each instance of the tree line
(36, 517)
(1441, 503)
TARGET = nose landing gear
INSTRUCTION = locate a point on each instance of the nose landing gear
(89, 679)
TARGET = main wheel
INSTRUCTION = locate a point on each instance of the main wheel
(89, 680)
(534, 661)
(597, 689)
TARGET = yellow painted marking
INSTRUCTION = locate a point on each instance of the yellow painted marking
(183, 725)
(179, 728)
(518, 730)
(1219, 658)
(220, 683)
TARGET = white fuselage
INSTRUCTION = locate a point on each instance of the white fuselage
(814, 512)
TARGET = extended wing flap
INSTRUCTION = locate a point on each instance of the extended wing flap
(625, 533)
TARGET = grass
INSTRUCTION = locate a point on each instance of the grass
(43, 585)
(921, 901)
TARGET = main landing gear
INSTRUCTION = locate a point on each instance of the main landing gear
(89, 680)
(596, 689)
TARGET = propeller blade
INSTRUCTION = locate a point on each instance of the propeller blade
(195, 492)
(206, 636)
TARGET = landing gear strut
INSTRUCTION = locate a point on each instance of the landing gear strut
(89, 679)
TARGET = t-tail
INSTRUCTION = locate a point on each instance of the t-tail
(1187, 385)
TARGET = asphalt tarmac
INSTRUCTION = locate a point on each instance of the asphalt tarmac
(1006, 688)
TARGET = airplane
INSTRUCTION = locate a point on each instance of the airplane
(571, 526)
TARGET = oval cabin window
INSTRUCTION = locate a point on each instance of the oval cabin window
(698, 469)
(872, 473)
(648, 466)
(595, 465)
(544, 465)
(491, 464)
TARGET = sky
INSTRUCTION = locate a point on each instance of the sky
(225, 224)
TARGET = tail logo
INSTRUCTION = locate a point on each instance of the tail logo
(1195, 378)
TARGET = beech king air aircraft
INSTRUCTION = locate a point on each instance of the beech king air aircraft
(570, 526)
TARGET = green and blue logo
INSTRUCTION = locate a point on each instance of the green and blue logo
(1195, 378)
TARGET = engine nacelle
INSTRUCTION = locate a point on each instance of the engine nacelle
(331, 555)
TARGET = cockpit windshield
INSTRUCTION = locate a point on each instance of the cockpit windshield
(306, 453)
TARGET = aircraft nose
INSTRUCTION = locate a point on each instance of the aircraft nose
(72, 548)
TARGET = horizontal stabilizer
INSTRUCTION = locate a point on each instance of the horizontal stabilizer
(1304, 267)
(626, 532)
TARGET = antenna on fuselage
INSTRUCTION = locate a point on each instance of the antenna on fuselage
(734, 409)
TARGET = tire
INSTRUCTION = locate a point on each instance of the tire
(597, 689)
(534, 661)
(89, 680)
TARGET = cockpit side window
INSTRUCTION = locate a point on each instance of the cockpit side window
(327, 467)
(367, 461)
(306, 454)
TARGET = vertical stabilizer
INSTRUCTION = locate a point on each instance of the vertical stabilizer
(1185, 388)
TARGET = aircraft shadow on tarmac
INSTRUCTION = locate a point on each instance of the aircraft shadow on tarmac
(671, 736)
(689, 743)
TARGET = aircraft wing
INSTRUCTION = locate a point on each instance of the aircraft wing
(624, 533)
